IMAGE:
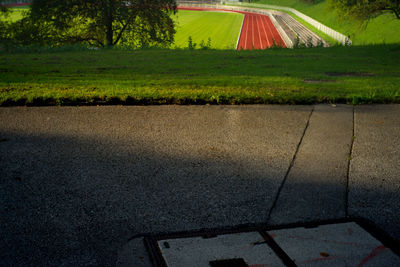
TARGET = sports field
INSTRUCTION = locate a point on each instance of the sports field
(257, 31)
(222, 28)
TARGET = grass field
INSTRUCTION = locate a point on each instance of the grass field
(16, 13)
(380, 30)
(369, 74)
(222, 28)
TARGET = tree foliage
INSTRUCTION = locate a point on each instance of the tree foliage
(3, 9)
(3, 23)
(99, 22)
(366, 9)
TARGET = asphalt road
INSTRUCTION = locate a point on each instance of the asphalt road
(78, 182)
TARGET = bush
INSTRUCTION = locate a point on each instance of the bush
(204, 45)
(191, 44)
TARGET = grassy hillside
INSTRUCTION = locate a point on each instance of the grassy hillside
(358, 74)
(383, 29)
(222, 28)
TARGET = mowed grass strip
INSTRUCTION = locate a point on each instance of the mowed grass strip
(222, 28)
(369, 74)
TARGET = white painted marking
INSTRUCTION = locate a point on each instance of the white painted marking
(240, 33)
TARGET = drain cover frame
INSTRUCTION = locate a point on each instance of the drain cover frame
(152, 241)
(239, 262)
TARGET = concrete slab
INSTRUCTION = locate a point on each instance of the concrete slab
(199, 252)
(344, 244)
(315, 188)
(77, 182)
(375, 167)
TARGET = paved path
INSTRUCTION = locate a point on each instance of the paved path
(78, 182)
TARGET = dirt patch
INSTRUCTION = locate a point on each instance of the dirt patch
(350, 74)
(270, 66)
(51, 62)
(247, 57)
(102, 69)
(318, 81)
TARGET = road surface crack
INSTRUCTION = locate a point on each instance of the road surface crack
(346, 196)
(290, 166)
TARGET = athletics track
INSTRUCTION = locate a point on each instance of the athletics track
(258, 31)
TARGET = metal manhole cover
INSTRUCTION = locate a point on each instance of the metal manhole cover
(337, 243)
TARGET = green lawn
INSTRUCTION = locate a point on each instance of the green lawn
(16, 13)
(222, 28)
(383, 29)
(358, 74)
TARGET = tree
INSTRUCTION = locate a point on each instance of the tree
(3, 22)
(366, 9)
(3, 9)
(104, 22)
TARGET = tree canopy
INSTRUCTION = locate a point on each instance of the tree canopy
(3, 23)
(366, 9)
(3, 9)
(101, 22)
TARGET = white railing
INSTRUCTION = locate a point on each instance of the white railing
(343, 39)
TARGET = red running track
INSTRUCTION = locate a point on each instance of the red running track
(17, 4)
(258, 31)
